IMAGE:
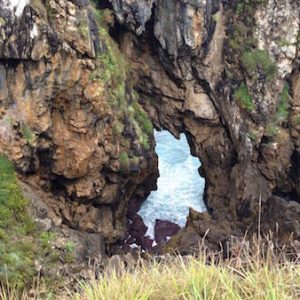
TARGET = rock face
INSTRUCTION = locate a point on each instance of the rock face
(226, 73)
(69, 118)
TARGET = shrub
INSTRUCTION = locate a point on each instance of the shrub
(259, 59)
(27, 133)
(20, 242)
(244, 98)
(272, 129)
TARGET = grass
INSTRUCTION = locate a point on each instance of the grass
(253, 61)
(242, 43)
(296, 120)
(250, 277)
(256, 270)
(21, 243)
(244, 98)
(192, 279)
(252, 135)
(272, 129)
(83, 27)
(16, 255)
(241, 39)
(2, 22)
(27, 133)
(282, 113)
(298, 38)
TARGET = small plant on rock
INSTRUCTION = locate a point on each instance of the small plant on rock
(244, 98)
(124, 161)
(253, 61)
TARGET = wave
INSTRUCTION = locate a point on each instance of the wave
(179, 186)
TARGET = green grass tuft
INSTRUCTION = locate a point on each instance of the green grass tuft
(259, 60)
(21, 244)
(252, 135)
(244, 98)
(272, 129)
(27, 133)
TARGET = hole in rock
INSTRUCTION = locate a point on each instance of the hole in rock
(179, 185)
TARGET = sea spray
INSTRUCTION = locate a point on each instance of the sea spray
(179, 185)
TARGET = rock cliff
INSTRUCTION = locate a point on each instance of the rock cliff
(226, 73)
(70, 118)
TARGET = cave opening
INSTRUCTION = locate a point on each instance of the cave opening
(179, 185)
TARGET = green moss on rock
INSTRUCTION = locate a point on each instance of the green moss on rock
(253, 61)
(244, 98)
(21, 244)
(114, 71)
(124, 161)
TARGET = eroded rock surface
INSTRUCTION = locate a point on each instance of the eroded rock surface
(227, 74)
(70, 119)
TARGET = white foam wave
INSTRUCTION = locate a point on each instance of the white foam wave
(179, 185)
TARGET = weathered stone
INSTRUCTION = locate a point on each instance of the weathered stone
(56, 121)
(164, 230)
(188, 86)
(200, 105)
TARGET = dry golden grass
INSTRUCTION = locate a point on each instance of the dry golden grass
(255, 271)
(196, 279)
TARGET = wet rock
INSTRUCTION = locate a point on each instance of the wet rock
(164, 230)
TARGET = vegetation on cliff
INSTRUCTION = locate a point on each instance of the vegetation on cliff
(16, 227)
(22, 245)
(114, 71)
(243, 47)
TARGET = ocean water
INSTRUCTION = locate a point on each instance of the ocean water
(179, 185)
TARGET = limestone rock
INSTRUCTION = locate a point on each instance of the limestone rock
(189, 73)
(57, 122)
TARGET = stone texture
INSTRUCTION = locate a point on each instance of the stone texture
(56, 121)
(182, 61)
